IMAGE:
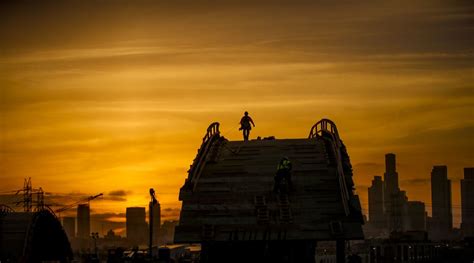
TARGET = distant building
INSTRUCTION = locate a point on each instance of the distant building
(376, 203)
(167, 230)
(390, 177)
(467, 202)
(398, 212)
(429, 224)
(83, 221)
(392, 198)
(156, 223)
(137, 229)
(111, 236)
(416, 216)
(442, 218)
(69, 225)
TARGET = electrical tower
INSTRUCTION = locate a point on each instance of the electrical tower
(27, 195)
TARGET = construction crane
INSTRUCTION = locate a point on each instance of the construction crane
(88, 199)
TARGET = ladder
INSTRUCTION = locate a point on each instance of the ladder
(285, 211)
(263, 216)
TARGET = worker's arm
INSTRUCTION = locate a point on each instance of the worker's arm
(251, 121)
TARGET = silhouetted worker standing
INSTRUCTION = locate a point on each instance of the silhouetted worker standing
(245, 125)
(283, 172)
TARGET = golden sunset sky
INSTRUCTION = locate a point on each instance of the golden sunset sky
(115, 96)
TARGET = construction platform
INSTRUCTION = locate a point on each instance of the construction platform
(228, 195)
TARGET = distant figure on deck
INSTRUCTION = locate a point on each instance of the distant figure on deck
(245, 125)
(283, 172)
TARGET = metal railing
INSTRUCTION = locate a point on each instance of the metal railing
(212, 130)
(5, 209)
(326, 127)
(199, 163)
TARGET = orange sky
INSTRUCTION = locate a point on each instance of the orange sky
(115, 96)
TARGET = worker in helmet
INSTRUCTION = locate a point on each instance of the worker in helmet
(283, 172)
(245, 125)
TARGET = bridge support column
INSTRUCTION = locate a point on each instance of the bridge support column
(340, 251)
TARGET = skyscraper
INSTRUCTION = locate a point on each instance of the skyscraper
(137, 228)
(376, 203)
(390, 176)
(416, 220)
(83, 221)
(69, 225)
(467, 202)
(398, 212)
(441, 203)
(392, 199)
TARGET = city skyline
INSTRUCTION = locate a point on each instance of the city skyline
(116, 221)
(390, 210)
(101, 98)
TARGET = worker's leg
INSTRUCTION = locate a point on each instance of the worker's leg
(288, 180)
(246, 134)
(276, 185)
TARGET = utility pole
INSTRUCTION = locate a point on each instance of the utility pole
(150, 219)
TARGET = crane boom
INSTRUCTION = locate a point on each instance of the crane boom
(88, 199)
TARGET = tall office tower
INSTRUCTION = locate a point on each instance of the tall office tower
(69, 225)
(441, 203)
(391, 193)
(416, 216)
(398, 212)
(376, 210)
(137, 229)
(83, 221)
(156, 223)
(390, 176)
(467, 202)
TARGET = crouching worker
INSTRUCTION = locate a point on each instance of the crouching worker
(283, 172)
